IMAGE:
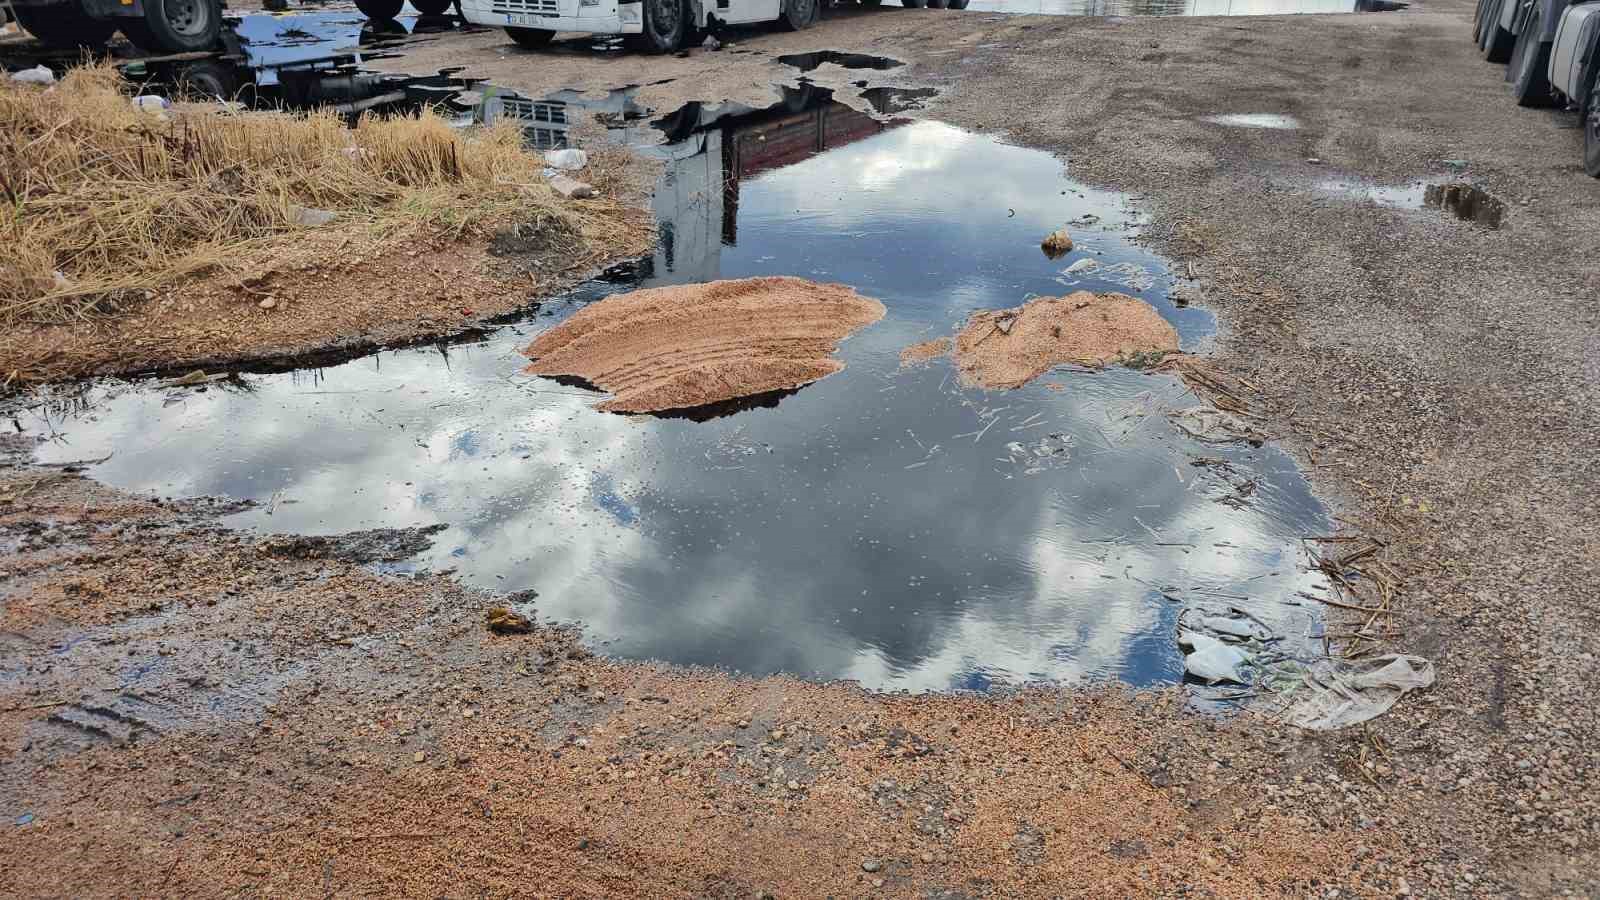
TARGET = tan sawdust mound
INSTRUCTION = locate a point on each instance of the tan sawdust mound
(1007, 348)
(917, 354)
(690, 345)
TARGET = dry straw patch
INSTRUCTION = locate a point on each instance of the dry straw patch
(105, 203)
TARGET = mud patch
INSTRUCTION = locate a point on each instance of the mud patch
(374, 545)
(687, 346)
(1468, 202)
(1007, 348)
(925, 351)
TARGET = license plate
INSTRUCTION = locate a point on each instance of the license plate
(524, 19)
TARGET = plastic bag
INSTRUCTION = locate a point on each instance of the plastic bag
(35, 75)
(1210, 659)
(570, 159)
(1337, 694)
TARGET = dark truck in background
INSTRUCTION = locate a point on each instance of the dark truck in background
(155, 26)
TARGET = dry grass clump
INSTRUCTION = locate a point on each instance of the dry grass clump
(104, 201)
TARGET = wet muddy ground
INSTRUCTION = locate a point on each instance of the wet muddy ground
(1436, 386)
(885, 525)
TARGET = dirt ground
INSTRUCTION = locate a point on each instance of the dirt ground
(188, 711)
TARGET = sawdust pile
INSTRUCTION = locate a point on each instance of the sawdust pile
(917, 354)
(1007, 348)
(690, 345)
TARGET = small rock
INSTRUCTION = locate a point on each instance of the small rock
(794, 785)
(267, 303)
(504, 620)
(870, 865)
(571, 188)
(927, 857)
(1056, 244)
(418, 756)
(877, 882)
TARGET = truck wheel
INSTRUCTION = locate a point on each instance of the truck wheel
(64, 25)
(210, 79)
(1500, 44)
(798, 14)
(666, 27)
(958, 4)
(380, 10)
(1530, 64)
(1591, 132)
(432, 7)
(914, 4)
(175, 26)
(531, 38)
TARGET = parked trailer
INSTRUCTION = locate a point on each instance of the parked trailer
(155, 26)
(1574, 74)
(1553, 51)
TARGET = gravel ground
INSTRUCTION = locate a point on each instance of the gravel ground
(1438, 379)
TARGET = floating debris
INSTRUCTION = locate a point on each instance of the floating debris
(686, 346)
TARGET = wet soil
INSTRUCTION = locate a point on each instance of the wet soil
(687, 346)
(1436, 384)
(1005, 349)
(216, 719)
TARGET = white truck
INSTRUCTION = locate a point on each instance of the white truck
(1552, 48)
(662, 26)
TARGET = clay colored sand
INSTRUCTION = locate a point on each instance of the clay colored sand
(1007, 348)
(690, 345)
(921, 353)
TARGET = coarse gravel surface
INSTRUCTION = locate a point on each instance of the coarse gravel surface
(1437, 378)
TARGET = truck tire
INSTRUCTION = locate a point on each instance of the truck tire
(1591, 131)
(531, 38)
(666, 27)
(798, 14)
(914, 4)
(432, 7)
(64, 25)
(380, 10)
(1500, 44)
(958, 4)
(175, 26)
(1529, 71)
(209, 78)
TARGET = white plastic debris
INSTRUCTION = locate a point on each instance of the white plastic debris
(152, 103)
(35, 75)
(1210, 659)
(570, 159)
(1239, 628)
(1336, 694)
(1082, 265)
(305, 215)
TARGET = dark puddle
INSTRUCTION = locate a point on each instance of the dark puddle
(1183, 7)
(1467, 202)
(806, 62)
(884, 524)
